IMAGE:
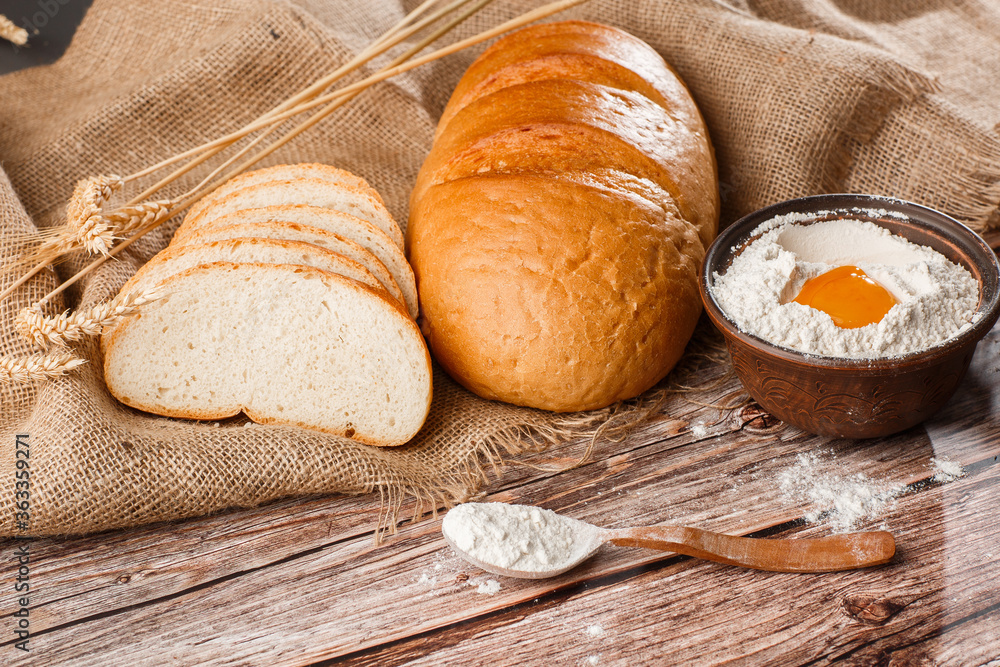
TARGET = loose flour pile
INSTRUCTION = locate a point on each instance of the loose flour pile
(946, 470)
(842, 501)
(848, 501)
(517, 537)
(936, 299)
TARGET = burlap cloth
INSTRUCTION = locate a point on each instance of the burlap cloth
(801, 97)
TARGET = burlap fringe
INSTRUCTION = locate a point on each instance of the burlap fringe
(613, 423)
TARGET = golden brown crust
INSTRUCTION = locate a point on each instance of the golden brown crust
(558, 125)
(541, 314)
(580, 51)
(558, 225)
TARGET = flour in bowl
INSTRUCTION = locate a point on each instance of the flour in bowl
(935, 299)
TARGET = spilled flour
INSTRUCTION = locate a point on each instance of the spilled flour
(845, 502)
(947, 471)
(489, 587)
(842, 501)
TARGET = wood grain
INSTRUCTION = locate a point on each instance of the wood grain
(301, 581)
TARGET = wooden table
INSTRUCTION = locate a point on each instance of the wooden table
(301, 581)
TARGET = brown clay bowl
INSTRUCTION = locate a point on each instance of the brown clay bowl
(856, 398)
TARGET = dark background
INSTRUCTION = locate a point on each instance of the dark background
(50, 25)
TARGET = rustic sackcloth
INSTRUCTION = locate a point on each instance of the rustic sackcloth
(800, 96)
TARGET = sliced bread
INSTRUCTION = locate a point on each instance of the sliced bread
(305, 191)
(290, 231)
(281, 343)
(283, 172)
(268, 251)
(348, 226)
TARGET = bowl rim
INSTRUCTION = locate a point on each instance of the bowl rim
(739, 231)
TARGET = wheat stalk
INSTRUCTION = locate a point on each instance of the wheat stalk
(37, 366)
(69, 327)
(85, 225)
(12, 32)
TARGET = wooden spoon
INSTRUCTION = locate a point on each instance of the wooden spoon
(825, 554)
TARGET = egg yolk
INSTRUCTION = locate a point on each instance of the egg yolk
(848, 296)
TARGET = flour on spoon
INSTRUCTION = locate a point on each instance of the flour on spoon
(516, 537)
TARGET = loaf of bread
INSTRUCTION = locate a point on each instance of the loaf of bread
(559, 222)
(281, 308)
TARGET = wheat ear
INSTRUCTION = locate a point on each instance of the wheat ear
(70, 327)
(85, 226)
(125, 220)
(37, 366)
(12, 32)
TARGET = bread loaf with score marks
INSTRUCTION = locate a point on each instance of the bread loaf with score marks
(559, 222)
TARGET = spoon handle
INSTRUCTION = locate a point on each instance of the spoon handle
(825, 554)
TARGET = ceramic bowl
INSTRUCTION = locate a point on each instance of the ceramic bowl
(855, 398)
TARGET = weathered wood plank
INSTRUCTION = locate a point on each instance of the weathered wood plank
(223, 589)
(725, 483)
(938, 603)
(115, 570)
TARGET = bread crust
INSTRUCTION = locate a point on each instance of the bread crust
(559, 126)
(579, 51)
(362, 231)
(558, 225)
(113, 336)
(282, 172)
(289, 192)
(555, 318)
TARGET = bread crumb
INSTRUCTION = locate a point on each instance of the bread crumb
(699, 430)
(595, 631)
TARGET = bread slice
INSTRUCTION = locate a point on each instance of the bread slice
(348, 226)
(283, 172)
(290, 231)
(305, 234)
(285, 344)
(305, 191)
(176, 260)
